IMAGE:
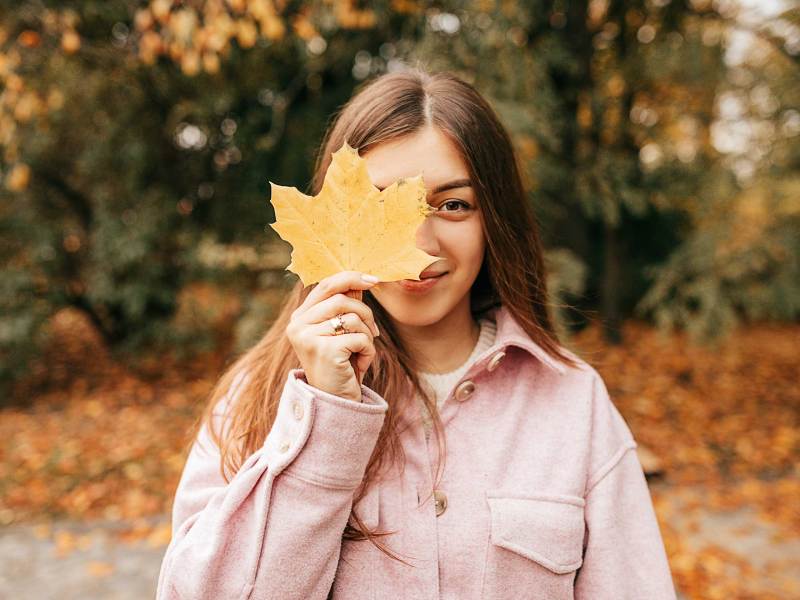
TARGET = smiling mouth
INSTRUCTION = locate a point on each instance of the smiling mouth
(424, 277)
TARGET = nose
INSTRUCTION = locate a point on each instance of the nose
(426, 237)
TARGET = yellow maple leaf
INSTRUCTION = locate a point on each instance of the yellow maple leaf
(352, 225)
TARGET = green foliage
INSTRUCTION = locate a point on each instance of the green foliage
(566, 280)
(137, 165)
(741, 266)
(613, 106)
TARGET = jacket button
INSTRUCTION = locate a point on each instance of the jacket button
(439, 501)
(495, 361)
(298, 410)
(464, 389)
(284, 446)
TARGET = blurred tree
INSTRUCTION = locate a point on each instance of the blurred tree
(611, 119)
(741, 256)
(614, 118)
(120, 156)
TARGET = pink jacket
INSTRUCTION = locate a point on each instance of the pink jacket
(542, 496)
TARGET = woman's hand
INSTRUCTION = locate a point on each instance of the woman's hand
(325, 356)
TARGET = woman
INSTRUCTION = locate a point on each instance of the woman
(306, 482)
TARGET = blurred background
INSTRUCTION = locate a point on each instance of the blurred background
(660, 142)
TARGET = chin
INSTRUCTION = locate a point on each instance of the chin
(419, 313)
(414, 318)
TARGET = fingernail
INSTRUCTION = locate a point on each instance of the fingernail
(369, 278)
(377, 331)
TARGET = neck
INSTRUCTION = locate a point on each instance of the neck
(442, 346)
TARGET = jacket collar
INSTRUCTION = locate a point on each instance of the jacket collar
(511, 333)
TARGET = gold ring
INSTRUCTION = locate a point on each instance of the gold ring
(338, 325)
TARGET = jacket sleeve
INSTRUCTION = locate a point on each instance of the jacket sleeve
(275, 529)
(624, 556)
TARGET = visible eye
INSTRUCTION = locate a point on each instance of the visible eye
(464, 206)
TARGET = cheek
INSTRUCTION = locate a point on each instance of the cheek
(472, 247)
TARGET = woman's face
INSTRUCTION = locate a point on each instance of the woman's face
(454, 233)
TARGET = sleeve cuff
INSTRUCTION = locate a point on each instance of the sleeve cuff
(321, 437)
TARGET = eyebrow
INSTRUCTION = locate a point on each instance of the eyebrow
(456, 183)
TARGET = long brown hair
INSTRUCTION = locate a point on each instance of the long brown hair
(512, 274)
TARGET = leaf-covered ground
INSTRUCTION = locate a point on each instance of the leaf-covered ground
(723, 421)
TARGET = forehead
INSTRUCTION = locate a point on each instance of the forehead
(428, 151)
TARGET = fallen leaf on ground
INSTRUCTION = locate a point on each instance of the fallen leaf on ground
(99, 569)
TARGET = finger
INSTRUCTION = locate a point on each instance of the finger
(364, 360)
(352, 323)
(338, 283)
(337, 304)
(348, 344)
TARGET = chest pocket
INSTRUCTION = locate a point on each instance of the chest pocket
(535, 545)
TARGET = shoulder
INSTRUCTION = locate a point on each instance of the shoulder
(596, 394)
(608, 431)
(581, 380)
(611, 437)
(219, 420)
